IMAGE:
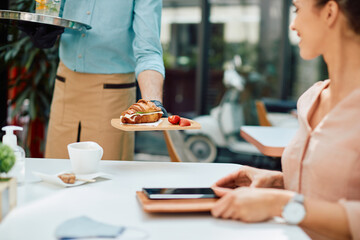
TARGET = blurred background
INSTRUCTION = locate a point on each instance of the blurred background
(221, 57)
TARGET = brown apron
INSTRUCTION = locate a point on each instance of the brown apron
(82, 107)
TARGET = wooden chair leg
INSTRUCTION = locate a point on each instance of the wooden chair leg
(174, 157)
(262, 114)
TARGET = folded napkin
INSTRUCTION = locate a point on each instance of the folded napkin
(84, 227)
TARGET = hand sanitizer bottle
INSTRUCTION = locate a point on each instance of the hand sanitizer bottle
(10, 139)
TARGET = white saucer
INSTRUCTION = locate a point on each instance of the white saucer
(53, 178)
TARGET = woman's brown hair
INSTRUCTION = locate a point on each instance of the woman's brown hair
(351, 9)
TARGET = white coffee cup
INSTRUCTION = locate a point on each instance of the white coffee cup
(85, 157)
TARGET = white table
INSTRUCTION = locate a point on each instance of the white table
(42, 206)
(271, 141)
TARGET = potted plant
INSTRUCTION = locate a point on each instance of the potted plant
(7, 184)
(31, 81)
(7, 161)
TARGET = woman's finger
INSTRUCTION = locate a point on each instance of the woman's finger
(220, 192)
(220, 206)
(229, 212)
(255, 183)
(227, 181)
(231, 180)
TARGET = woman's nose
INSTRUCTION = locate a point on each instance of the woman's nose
(292, 26)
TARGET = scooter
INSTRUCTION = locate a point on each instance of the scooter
(221, 129)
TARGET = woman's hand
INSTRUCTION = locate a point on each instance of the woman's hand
(251, 204)
(249, 177)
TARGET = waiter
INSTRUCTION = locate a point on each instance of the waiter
(96, 75)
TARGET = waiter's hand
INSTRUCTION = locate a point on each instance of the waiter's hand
(42, 35)
(159, 104)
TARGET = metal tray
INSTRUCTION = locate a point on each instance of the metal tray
(42, 19)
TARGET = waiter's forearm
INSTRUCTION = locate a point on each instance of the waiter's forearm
(151, 85)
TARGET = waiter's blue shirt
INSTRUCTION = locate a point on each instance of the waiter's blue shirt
(124, 38)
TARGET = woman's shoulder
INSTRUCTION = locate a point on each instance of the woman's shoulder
(318, 86)
(313, 91)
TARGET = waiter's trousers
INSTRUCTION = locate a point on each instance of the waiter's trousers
(82, 107)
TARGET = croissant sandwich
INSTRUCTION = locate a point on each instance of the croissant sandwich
(141, 112)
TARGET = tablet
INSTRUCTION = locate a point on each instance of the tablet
(179, 193)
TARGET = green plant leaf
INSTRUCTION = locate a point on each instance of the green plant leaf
(45, 101)
(32, 105)
(52, 76)
(38, 77)
(30, 60)
(20, 100)
(17, 47)
(8, 55)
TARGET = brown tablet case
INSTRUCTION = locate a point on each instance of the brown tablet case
(175, 205)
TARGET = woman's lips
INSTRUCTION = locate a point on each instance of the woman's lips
(299, 36)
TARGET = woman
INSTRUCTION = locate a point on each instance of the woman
(319, 188)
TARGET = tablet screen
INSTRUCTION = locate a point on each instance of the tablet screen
(179, 193)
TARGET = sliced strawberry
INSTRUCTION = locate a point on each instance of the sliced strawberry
(184, 122)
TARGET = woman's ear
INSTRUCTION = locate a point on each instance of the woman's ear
(331, 12)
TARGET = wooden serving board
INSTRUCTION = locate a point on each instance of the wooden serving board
(164, 125)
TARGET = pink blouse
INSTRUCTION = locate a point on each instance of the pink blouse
(324, 162)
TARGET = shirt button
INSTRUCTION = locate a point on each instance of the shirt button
(79, 56)
(88, 12)
(83, 35)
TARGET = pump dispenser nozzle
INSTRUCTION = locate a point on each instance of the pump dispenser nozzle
(10, 138)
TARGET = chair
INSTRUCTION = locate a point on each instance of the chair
(262, 114)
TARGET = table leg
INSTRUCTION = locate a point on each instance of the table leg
(174, 157)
